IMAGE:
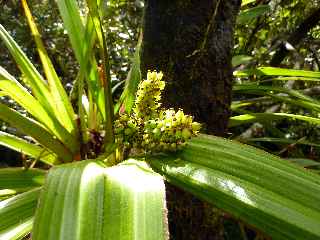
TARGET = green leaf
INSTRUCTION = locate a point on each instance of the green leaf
(245, 16)
(82, 39)
(16, 215)
(36, 131)
(266, 117)
(31, 75)
(84, 200)
(21, 95)
(27, 148)
(133, 79)
(63, 107)
(263, 90)
(295, 98)
(95, 13)
(273, 71)
(282, 141)
(304, 162)
(19, 180)
(2, 94)
(246, 2)
(271, 194)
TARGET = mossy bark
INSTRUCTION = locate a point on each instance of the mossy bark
(191, 42)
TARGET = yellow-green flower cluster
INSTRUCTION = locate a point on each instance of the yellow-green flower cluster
(148, 96)
(150, 128)
(126, 130)
(169, 132)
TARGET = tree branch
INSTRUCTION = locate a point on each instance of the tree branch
(300, 33)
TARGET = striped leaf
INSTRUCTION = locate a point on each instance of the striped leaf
(84, 200)
(36, 131)
(18, 93)
(16, 215)
(274, 71)
(31, 75)
(271, 194)
(265, 117)
(20, 180)
(27, 148)
(63, 107)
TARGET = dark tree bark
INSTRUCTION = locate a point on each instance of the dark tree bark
(297, 36)
(191, 42)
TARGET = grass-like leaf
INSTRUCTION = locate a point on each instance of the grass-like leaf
(274, 71)
(63, 107)
(18, 93)
(31, 75)
(27, 148)
(20, 180)
(36, 131)
(265, 117)
(133, 79)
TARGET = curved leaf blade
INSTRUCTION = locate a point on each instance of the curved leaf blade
(63, 107)
(136, 196)
(259, 188)
(36, 131)
(32, 76)
(274, 71)
(16, 215)
(13, 89)
(84, 200)
(19, 179)
(32, 150)
(265, 117)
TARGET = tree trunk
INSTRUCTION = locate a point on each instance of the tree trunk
(191, 42)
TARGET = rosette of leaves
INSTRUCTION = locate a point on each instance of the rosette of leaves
(101, 199)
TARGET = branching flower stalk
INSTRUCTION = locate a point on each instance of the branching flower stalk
(150, 128)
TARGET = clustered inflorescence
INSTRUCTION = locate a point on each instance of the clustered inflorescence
(151, 128)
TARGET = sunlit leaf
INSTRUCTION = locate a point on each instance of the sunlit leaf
(27, 148)
(240, 59)
(84, 200)
(63, 107)
(16, 215)
(271, 194)
(35, 130)
(273, 71)
(31, 75)
(19, 179)
(265, 117)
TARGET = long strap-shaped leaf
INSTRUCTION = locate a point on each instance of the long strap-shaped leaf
(32, 76)
(128, 95)
(16, 215)
(274, 71)
(35, 130)
(27, 148)
(259, 188)
(82, 39)
(18, 93)
(83, 200)
(265, 117)
(105, 78)
(63, 108)
(19, 179)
